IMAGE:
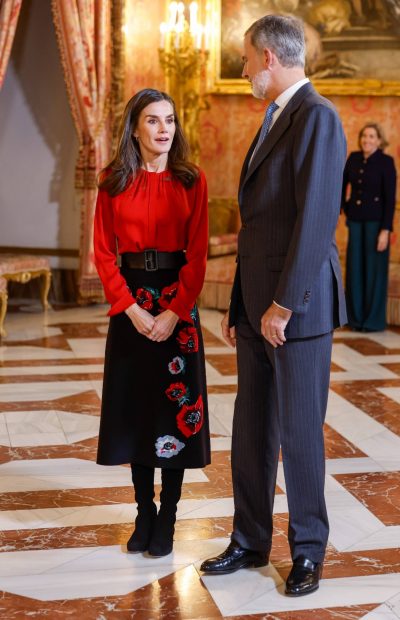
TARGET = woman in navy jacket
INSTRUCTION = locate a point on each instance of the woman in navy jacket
(369, 208)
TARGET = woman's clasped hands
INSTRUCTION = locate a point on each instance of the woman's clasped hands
(158, 328)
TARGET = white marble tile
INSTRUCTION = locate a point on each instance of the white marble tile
(221, 443)
(222, 406)
(382, 612)
(71, 473)
(22, 392)
(241, 589)
(356, 366)
(216, 378)
(280, 504)
(394, 604)
(58, 369)
(104, 514)
(211, 319)
(95, 571)
(387, 537)
(355, 465)
(87, 347)
(349, 421)
(332, 593)
(350, 521)
(387, 338)
(97, 386)
(33, 333)
(383, 447)
(3, 430)
(8, 354)
(391, 392)
(42, 428)
(205, 508)
(220, 350)
(78, 426)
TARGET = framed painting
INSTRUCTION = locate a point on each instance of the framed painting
(353, 46)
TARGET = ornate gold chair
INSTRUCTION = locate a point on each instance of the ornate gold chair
(22, 268)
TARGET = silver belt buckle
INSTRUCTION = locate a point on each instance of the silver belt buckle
(151, 260)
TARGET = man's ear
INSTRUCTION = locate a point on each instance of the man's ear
(268, 57)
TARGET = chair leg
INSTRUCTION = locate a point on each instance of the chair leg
(3, 311)
(45, 288)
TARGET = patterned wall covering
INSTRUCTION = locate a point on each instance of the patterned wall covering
(229, 126)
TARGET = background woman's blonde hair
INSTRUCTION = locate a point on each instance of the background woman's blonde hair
(379, 133)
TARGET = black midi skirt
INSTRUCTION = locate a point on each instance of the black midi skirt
(154, 407)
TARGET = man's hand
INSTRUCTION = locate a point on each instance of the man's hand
(228, 333)
(141, 319)
(164, 325)
(383, 240)
(273, 323)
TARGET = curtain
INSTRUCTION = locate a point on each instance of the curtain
(84, 36)
(9, 12)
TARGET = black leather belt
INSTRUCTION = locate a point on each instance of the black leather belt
(152, 260)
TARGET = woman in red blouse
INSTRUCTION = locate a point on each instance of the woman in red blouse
(152, 211)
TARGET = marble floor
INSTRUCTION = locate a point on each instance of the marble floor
(64, 520)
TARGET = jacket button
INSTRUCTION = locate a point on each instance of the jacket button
(376, 198)
(358, 202)
(361, 170)
(360, 180)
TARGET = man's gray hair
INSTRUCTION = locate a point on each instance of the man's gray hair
(282, 34)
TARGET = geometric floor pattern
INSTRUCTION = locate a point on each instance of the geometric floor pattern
(64, 520)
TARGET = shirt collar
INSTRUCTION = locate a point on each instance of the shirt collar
(287, 94)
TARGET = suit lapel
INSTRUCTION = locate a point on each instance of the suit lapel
(246, 162)
(277, 130)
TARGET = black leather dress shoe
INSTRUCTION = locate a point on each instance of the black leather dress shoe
(233, 558)
(304, 577)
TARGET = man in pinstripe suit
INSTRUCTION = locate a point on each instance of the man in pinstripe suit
(287, 298)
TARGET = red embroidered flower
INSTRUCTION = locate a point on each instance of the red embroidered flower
(190, 418)
(167, 295)
(144, 298)
(177, 391)
(188, 340)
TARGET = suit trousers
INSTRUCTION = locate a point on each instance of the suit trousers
(281, 402)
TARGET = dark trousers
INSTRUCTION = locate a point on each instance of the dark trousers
(366, 277)
(281, 400)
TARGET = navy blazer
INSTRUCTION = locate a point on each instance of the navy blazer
(289, 199)
(373, 188)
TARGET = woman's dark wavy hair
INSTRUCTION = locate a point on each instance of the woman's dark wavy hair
(123, 168)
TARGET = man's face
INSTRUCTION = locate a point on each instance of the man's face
(255, 69)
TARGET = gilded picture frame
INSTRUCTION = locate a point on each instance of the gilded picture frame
(348, 54)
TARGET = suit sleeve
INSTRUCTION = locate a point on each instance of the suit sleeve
(105, 257)
(319, 153)
(191, 276)
(389, 194)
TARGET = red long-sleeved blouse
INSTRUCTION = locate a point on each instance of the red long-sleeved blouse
(155, 211)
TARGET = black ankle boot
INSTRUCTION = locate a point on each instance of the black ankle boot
(143, 482)
(162, 539)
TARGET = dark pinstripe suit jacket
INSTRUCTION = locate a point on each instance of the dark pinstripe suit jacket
(289, 199)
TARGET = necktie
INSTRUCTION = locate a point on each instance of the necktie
(265, 126)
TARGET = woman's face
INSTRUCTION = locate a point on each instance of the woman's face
(369, 141)
(155, 129)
